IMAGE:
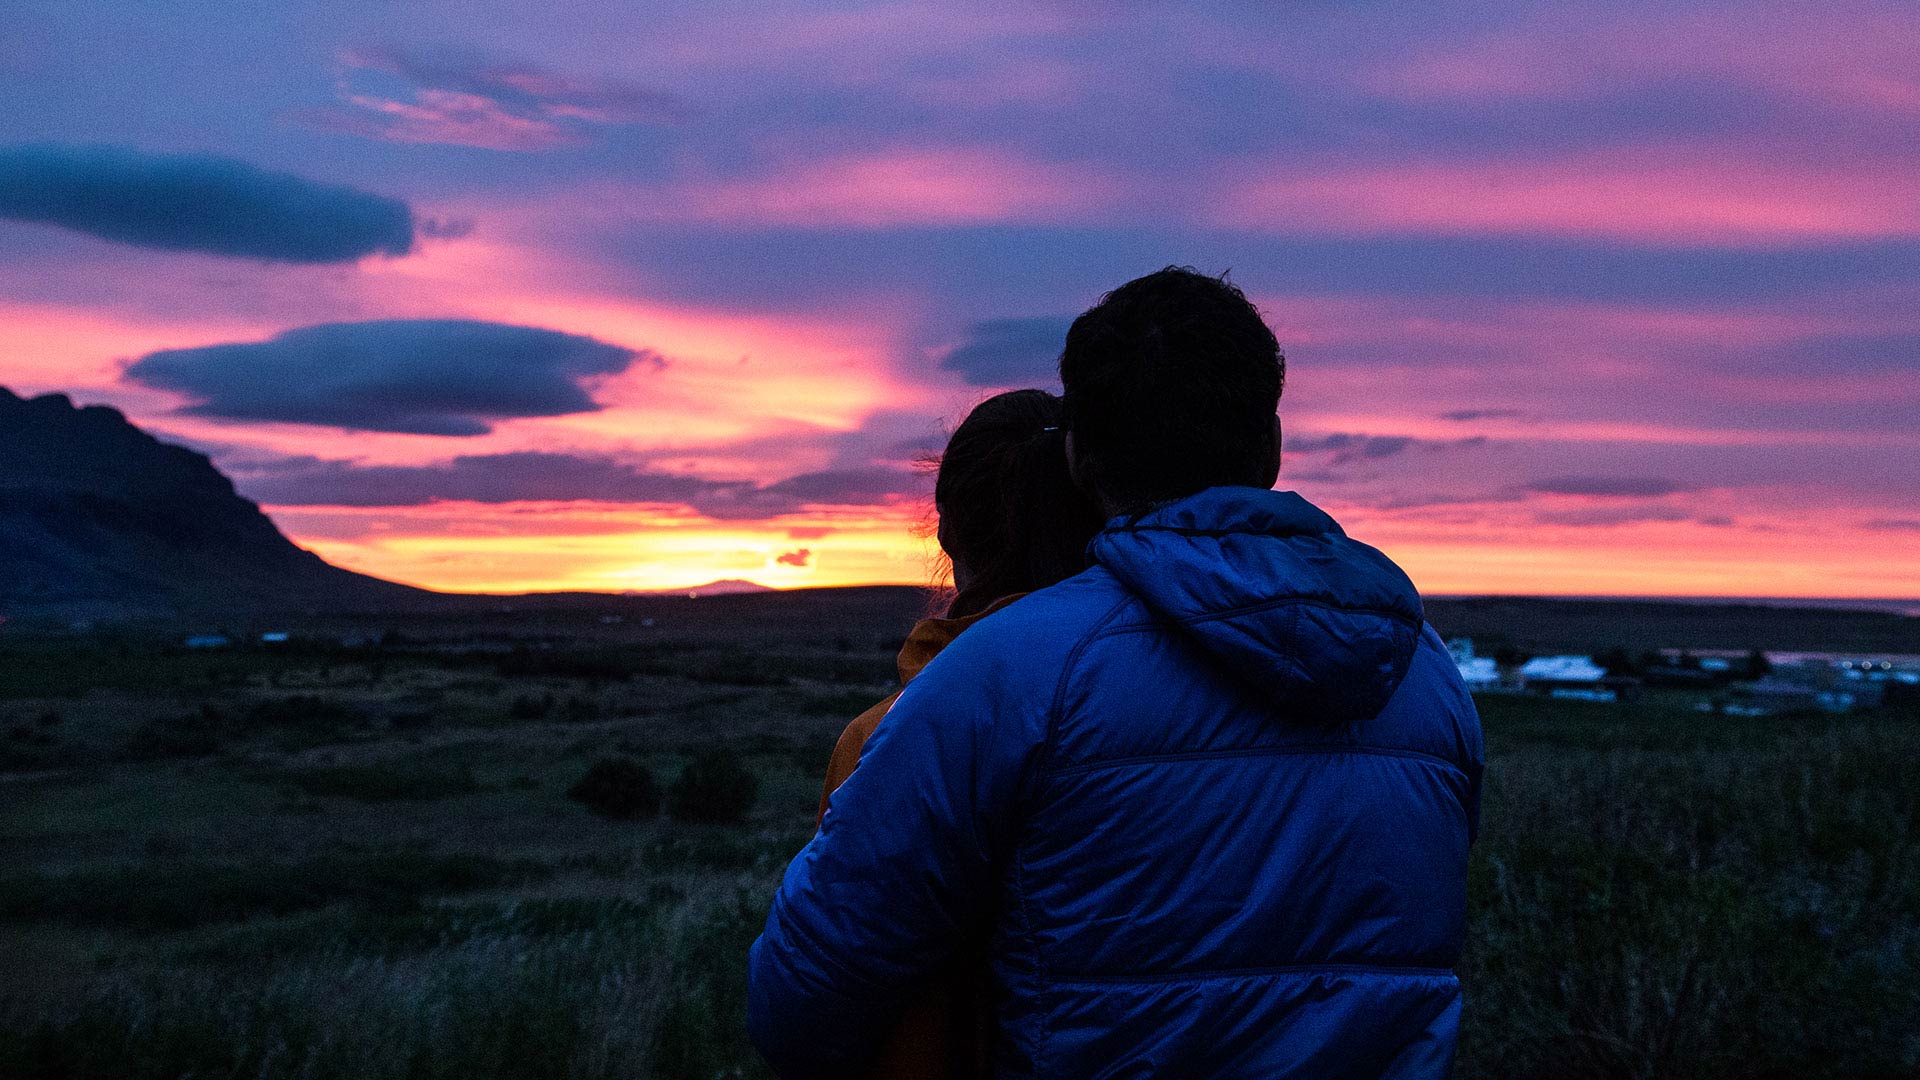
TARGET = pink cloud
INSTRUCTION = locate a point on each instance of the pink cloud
(1651, 194)
(883, 36)
(1856, 53)
(447, 117)
(464, 101)
(947, 186)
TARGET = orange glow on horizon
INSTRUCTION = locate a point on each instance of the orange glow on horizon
(541, 547)
(464, 547)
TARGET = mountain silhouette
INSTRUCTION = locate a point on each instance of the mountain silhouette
(722, 587)
(97, 517)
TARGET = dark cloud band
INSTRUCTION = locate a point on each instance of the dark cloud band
(1624, 487)
(483, 478)
(416, 376)
(556, 477)
(199, 202)
(1010, 352)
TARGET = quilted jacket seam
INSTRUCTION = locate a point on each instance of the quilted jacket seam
(1415, 621)
(1066, 674)
(1282, 533)
(1020, 859)
(1254, 751)
(1403, 970)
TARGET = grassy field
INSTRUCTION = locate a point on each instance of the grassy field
(364, 862)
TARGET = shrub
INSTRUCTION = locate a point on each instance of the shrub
(307, 711)
(618, 789)
(195, 734)
(384, 783)
(525, 663)
(715, 787)
(528, 707)
(580, 710)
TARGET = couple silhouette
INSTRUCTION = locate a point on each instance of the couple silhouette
(1181, 785)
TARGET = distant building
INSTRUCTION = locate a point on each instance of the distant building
(1575, 678)
(1478, 672)
(1562, 669)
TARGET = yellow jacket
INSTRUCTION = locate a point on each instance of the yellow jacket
(942, 1035)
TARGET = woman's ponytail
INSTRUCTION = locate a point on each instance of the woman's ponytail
(1008, 506)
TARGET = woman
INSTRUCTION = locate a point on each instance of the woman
(1011, 522)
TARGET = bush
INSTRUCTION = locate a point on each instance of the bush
(383, 783)
(195, 734)
(618, 789)
(714, 787)
(528, 707)
(304, 711)
(525, 663)
(580, 710)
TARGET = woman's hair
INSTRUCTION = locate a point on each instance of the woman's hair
(1007, 503)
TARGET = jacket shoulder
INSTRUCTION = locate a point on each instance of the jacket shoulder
(1431, 711)
(1016, 655)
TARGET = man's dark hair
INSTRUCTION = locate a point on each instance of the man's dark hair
(1171, 382)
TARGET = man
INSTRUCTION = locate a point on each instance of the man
(1208, 802)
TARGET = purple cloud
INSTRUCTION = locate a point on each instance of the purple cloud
(1346, 448)
(417, 376)
(1603, 517)
(1482, 414)
(466, 101)
(199, 202)
(1010, 352)
(484, 478)
(533, 476)
(1641, 487)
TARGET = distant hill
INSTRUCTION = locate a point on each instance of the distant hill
(722, 587)
(1552, 624)
(99, 518)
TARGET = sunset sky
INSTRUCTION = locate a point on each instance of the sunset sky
(1576, 299)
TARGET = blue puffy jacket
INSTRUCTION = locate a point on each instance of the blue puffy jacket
(1209, 804)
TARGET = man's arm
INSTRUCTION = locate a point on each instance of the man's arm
(903, 864)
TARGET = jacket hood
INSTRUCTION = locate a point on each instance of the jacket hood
(1264, 581)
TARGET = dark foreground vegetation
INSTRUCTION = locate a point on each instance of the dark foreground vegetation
(540, 848)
